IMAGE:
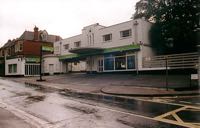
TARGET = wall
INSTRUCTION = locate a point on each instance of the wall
(57, 65)
(20, 66)
(33, 47)
(92, 36)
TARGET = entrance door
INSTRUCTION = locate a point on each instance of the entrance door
(51, 69)
(100, 65)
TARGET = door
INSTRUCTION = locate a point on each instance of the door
(51, 71)
(100, 65)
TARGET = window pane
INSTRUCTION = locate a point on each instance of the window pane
(107, 37)
(14, 68)
(9, 68)
(120, 63)
(109, 64)
(125, 33)
(131, 62)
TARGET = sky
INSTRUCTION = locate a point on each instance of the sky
(60, 17)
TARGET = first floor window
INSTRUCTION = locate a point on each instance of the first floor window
(107, 37)
(125, 33)
(77, 44)
(66, 46)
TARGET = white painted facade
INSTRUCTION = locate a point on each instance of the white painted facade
(14, 66)
(94, 36)
(52, 65)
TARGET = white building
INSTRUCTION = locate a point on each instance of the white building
(98, 48)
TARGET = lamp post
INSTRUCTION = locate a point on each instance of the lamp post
(198, 46)
(166, 69)
(60, 55)
(41, 65)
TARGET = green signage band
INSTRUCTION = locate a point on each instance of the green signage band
(47, 48)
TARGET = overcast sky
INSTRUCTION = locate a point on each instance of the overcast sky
(60, 17)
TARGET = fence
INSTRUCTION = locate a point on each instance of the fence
(32, 69)
(173, 61)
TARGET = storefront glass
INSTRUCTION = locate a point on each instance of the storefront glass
(109, 64)
(120, 63)
(131, 62)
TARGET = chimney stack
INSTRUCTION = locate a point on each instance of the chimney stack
(36, 33)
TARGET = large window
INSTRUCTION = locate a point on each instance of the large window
(109, 64)
(107, 37)
(125, 33)
(120, 63)
(131, 62)
(12, 68)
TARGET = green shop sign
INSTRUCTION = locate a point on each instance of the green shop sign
(34, 59)
(47, 48)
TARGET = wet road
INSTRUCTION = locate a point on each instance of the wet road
(48, 109)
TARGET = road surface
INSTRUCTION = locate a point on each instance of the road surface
(34, 108)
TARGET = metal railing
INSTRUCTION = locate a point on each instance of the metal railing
(174, 61)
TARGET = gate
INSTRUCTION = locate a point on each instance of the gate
(32, 69)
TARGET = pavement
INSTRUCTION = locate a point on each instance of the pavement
(117, 84)
(9, 120)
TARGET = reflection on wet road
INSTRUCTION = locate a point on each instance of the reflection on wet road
(50, 110)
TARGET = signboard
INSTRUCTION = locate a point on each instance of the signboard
(47, 48)
(194, 77)
(33, 59)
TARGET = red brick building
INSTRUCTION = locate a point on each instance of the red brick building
(24, 52)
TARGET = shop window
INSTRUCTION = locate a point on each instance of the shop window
(109, 64)
(12, 68)
(130, 62)
(120, 63)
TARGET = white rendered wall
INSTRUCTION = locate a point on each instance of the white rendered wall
(20, 66)
(58, 67)
(92, 36)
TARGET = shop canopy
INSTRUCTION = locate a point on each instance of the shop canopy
(82, 53)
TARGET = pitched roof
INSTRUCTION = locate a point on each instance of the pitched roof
(28, 35)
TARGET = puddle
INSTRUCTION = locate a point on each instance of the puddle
(36, 98)
(82, 109)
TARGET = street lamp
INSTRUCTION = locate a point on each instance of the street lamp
(198, 46)
(60, 55)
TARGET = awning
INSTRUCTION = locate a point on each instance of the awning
(83, 53)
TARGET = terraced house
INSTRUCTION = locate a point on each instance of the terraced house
(98, 48)
(21, 55)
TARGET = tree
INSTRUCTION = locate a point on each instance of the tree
(176, 25)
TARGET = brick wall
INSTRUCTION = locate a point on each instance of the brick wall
(33, 47)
